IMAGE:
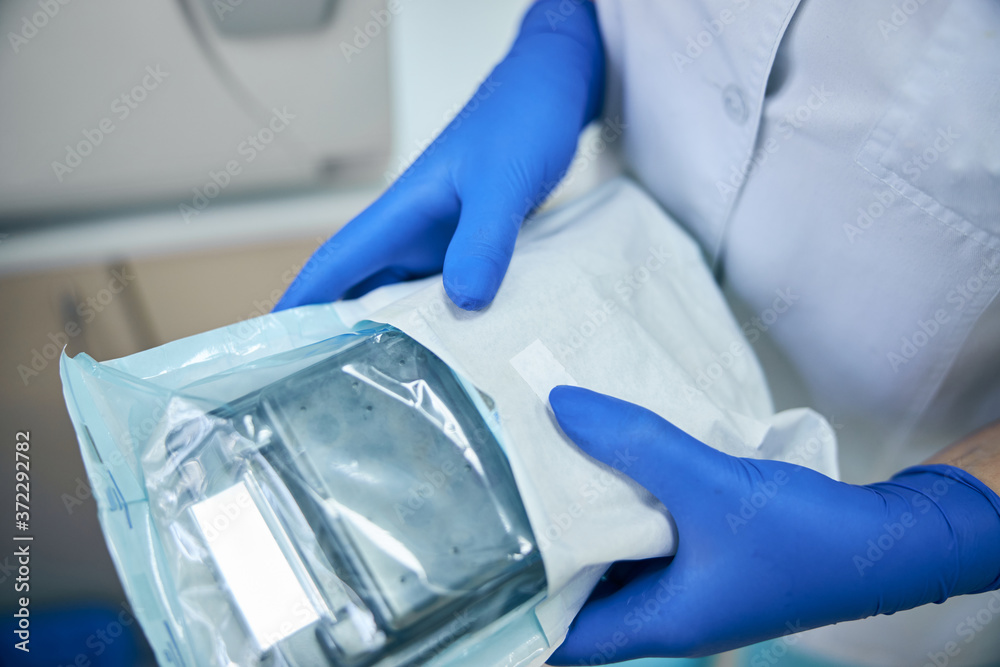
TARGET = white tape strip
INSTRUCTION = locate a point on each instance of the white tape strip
(540, 369)
(253, 566)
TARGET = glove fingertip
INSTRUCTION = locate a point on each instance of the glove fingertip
(568, 402)
(470, 285)
(583, 416)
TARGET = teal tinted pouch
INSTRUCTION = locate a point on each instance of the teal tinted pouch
(344, 501)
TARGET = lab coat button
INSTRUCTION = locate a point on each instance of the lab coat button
(735, 104)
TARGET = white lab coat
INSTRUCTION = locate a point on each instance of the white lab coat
(848, 152)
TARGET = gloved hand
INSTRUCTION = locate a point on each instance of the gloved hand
(765, 547)
(461, 204)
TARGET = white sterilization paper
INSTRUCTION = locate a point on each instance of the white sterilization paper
(610, 294)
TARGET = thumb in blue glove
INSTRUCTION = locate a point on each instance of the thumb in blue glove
(766, 547)
(460, 206)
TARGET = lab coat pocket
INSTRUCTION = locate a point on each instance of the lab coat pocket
(938, 143)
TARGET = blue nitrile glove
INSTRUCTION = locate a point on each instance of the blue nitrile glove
(765, 547)
(460, 205)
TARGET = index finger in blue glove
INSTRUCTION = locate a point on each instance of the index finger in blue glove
(664, 459)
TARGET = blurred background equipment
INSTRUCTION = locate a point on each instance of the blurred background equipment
(127, 104)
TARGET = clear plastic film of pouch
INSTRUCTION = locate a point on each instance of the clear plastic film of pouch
(380, 482)
(349, 505)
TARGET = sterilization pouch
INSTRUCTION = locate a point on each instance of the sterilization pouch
(380, 481)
